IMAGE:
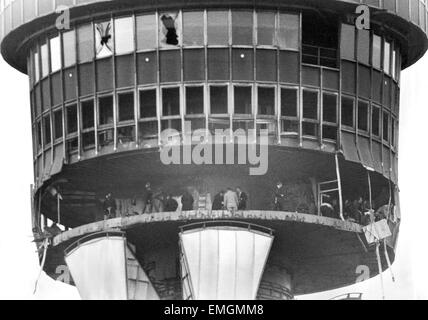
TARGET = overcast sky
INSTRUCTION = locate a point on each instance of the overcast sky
(18, 263)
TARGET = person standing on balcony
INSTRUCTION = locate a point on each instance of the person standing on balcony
(109, 207)
(242, 199)
(231, 200)
(148, 198)
(187, 201)
(279, 197)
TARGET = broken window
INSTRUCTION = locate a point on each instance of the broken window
(218, 99)
(170, 31)
(105, 110)
(126, 107)
(58, 124)
(218, 28)
(266, 101)
(171, 101)
(146, 32)
(148, 103)
(194, 100)
(347, 111)
(103, 39)
(193, 28)
(243, 100)
(72, 119)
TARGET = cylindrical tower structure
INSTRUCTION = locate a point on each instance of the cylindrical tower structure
(302, 92)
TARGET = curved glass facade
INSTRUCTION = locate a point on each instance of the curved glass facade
(116, 84)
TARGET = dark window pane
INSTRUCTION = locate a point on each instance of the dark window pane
(148, 130)
(290, 126)
(171, 124)
(39, 135)
(347, 111)
(289, 67)
(218, 64)
(72, 119)
(58, 124)
(125, 71)
(288, 102)
(106, 137)
(88, 140)
(363, 116)
(218, 99)
(242, 28)
(125, 135)
(364, 82)
(170, 66)
(385, 126)
(266, 101)
(148, 104)
(348, 77)
(147, 68)
(193, 28)
(330, 108)
(194, 65)
(265, 28)
(218, 27)
(310, 105)
(88, 120)
(310, 129)
(105, 74)
(243, 100)
(266, 65)
(171, 102)
(243, 64)
(194, 100)
(126, 106)
(376, 121)
(47, 129)
(105, 110)
(329, 132)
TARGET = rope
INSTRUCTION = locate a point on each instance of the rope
(388, 260)
(380, 269)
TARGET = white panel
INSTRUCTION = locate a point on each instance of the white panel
(225, 263)
(98, 269)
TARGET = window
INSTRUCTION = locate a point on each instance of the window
(148, 103)
(88, 140)
(72, 119)
(329, 108)
(347, 43)
(218, 28)
(105, 112)
(329, 132)
(243, 100)
(290, 127)
(126, 106)
(266, 101)
(242, 28)
(363, 116)
(363, 51)
(266, 62)
(125, 135)
(387, 57)
(39, 135)
(169, 29)
(85, 43)
(47, 130)
(69, 48)
(289, 102)
(265, 29)
(58, 124)
(288, 33)
(88, 116)
(243, 64)
(310, 105)
(170, 102)
(45, 59)
(348, 111)
(36, 63)
(376, 52)
(218, 99)
(218, 64)
(55, 46)
(103, 39)
(170, 66)
(194, 100)
(148, 130)
(146, 32)
(194, 64)
(385, 122)
(193, 28)
(376, 121)
(124, 30)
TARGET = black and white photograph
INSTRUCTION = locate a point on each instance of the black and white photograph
(242, 151)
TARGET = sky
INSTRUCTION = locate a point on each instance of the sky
(19, 267)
